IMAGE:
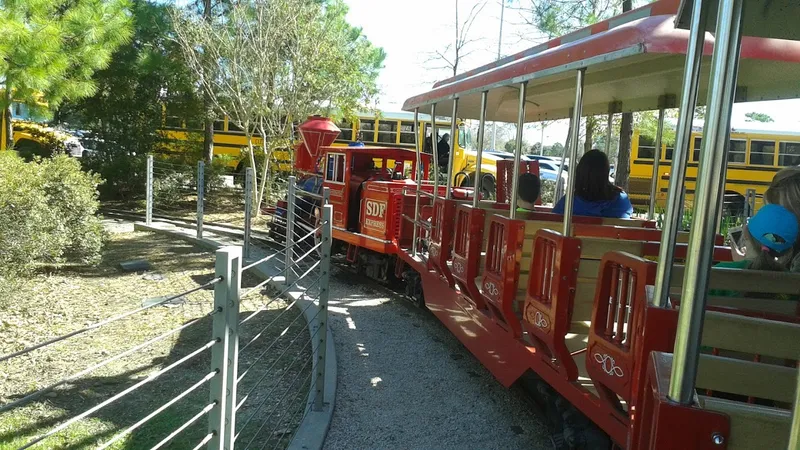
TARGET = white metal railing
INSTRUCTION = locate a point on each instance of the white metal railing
(271, 392)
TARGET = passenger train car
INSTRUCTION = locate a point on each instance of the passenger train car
(608, 322)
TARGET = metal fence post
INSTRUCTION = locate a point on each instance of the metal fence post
(290, 211)
(148, 212)
(324, 293)
(225, 353)
(248, 209)
(201, 189)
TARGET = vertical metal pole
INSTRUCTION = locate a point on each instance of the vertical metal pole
(148, 212)
(225, 353)
(523, 94)
(609, 131)
(453, 142)
(794, 436)
(434, 151)
(651, 208)
(248, 209)
(707, 201)
(326, 196)
(201, 184)
(499, 51)
(559, 185)
(324, 294)
(573, 151)
(541, 142)
(673, 217)
(418, 172)
(291, 203)
(479, 158)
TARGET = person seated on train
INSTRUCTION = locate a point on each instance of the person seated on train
(443, 152)
(784, 190)
(529, 187)
(594, 194)
(769, 239)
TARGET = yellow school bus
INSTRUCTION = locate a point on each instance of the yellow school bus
(394, 129)
(754, 157)
(229, 140)
(34, 138)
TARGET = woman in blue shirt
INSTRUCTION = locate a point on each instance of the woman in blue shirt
(594, 194)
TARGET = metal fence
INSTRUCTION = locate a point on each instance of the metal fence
(265, 352)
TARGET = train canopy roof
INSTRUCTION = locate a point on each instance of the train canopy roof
(635, 58)
(775, 19)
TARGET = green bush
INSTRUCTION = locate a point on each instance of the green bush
(47, 213)
(124, 174)
(548, 192)
(169, 189)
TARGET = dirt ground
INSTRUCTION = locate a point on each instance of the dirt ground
(56, 302)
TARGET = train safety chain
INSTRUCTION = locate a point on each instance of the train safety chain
(266, 347)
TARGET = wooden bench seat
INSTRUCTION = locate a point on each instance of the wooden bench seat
(752, 426)
(753, 356)
(748, 283)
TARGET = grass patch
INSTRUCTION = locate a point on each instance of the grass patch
(53, 303)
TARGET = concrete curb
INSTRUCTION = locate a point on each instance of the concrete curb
(312, 430)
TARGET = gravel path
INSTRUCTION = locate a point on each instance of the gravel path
(406, 383)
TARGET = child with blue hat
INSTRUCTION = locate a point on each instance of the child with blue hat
(769, 238)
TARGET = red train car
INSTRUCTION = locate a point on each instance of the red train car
(576, 308)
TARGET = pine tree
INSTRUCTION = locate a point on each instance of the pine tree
(49, 49)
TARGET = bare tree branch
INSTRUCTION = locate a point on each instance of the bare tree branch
(453, 54)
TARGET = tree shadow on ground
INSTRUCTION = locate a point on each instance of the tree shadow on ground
(277, 379)
(275, 368)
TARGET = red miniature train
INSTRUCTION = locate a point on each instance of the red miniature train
(574, 307)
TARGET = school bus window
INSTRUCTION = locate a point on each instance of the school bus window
(367, 130)
(347, 130)
(173, 122)
(789, 154)
(387, 132)
(194, 124)
(219, 125)
(762, 153)
(737, 153)
(406, 132)
(233, 127)
(464, 137)
(698, 143)
(647, 149)
(668, 154)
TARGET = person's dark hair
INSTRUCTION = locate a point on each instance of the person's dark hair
(529, 187)
(591, 178)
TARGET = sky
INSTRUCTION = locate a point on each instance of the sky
(410, 30)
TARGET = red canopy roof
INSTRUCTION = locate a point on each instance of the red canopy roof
(634, 58)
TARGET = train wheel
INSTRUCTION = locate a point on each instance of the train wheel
(414, 288)
(569, 428)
